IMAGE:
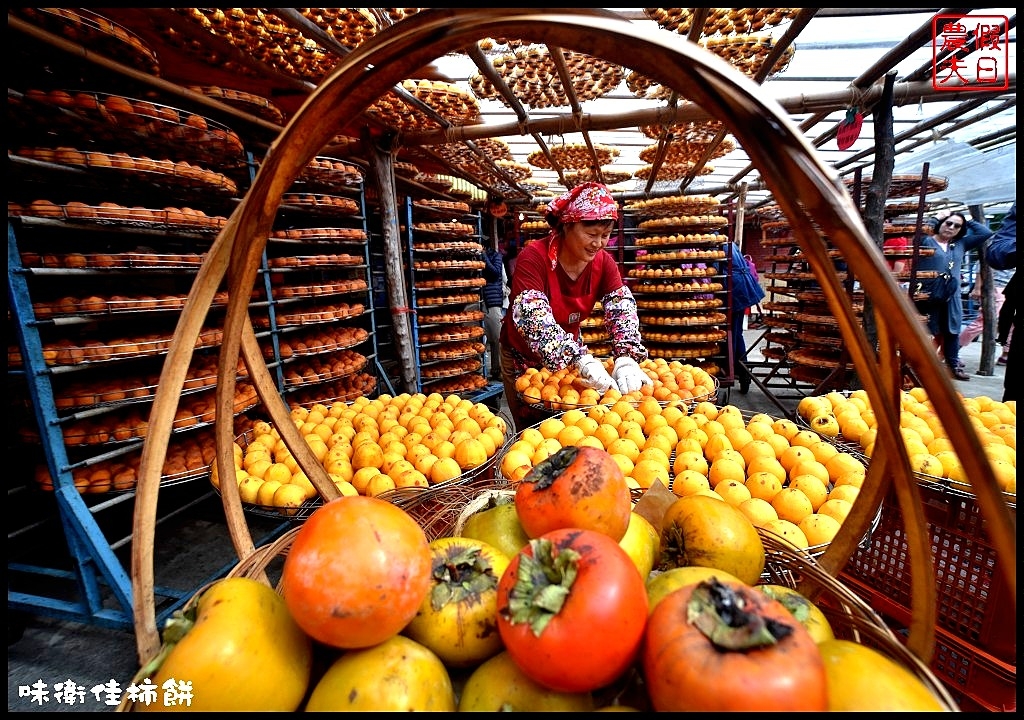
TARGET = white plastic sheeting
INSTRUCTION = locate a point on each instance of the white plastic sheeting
(975, 178)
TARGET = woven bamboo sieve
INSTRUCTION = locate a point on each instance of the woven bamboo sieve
(809, 193)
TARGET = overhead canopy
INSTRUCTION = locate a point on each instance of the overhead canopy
(502, 101)
(975, 177)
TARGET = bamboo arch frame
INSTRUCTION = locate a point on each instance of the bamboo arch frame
(807, 190)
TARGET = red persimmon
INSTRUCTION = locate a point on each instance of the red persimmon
(581, 487)
(572, 610)
(719, 646)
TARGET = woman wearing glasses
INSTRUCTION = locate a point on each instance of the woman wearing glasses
(953, 237)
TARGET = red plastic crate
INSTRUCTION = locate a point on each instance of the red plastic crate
(975, 679)
(975, 603)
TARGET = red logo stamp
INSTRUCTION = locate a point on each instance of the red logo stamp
(970, 53)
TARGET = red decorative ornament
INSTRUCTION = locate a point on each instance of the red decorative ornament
(497, 208)
(849, 129)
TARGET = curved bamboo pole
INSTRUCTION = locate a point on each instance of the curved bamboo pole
(807, 190)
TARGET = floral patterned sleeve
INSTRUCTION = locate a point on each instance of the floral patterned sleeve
(622, 324)
(531, 313)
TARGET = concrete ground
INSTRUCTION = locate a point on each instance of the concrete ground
(51, 651)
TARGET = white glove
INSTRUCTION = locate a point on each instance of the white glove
(593, 374)
(628, 375)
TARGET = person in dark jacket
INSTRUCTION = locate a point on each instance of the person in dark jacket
(1001, 254)
(494, 300)
(953, 236)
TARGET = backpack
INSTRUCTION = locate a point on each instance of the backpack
(752, 267)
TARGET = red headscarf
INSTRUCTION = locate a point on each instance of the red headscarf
(586, 201)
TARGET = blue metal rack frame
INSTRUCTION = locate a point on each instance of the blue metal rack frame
(491, 389)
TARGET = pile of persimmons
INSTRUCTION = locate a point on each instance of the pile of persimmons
(579, 599)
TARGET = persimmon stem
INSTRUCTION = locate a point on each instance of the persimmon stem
(548, 470)
(543, 581)
(463, 573)
(724, 617)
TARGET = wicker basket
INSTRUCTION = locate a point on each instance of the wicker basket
(443, 510)
(808, 192)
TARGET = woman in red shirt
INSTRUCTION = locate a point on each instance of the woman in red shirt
(557, 281)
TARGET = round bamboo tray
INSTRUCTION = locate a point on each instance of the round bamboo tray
(808, 191)
(934, 482)
(638, 492)
(819, 358)
(553, 406)
(901, 186)
(817, 340)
